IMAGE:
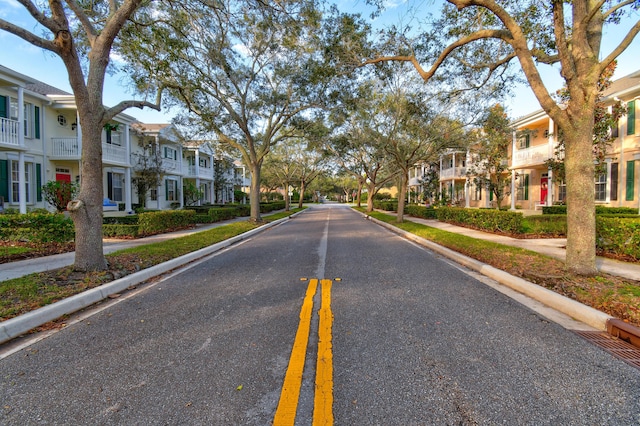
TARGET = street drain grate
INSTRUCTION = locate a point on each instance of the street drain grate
(618, 348)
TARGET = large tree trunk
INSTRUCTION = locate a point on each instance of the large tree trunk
(287, 199)
(580, 172)
(86, 210)
(402, 191)
(371, 192)
(302, 189)
(254, 194)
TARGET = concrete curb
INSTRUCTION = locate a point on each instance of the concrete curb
(570, 307)
(14, 327)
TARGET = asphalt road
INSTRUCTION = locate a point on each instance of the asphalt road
(414, 341)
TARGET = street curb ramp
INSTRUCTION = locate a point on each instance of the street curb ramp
(570, 307)
(19, 325)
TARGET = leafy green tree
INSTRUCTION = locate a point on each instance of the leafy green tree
(246, 71)
(489, 166)
(191, 193)
(148, 171)
(83, 34)
(59, 193)
(485, 36)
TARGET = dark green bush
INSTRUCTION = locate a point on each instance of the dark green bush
(120, 230)
(618, 235)
(162, 221)
(120, 220)
(484, 219)
(548, 225)
(617, 211)
(222, 213)
(421, 211)
(36, 227)
(386, 205)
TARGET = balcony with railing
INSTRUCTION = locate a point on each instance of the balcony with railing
(453, 173)
(200, 172)
(532, 156)
(64, 149)
(171, 166)
(69, 149)
(9, 133)
(114, 154)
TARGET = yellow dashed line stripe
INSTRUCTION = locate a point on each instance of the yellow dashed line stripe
(286, 411)
(323, 399)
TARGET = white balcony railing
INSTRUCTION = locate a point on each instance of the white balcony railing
(200, 172)
(531, 156)
(453, 173)
(171, 166)
(65, 148)
(114, 153)
(9, 132)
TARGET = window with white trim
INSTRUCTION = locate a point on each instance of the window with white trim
(601, 187)
(15, 181)
(171, 187)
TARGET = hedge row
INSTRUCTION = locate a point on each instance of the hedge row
(618, 235)
(421, 211)
(599, 210)
(36, 227)
(157, 222)
(487, 219)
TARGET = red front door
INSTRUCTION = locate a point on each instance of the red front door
(63, 177)
(543, 189)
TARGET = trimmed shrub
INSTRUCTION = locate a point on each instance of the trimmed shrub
(548, 225)
(218, 214)
(620, 236)
(121, 231)
(617, 211)
(162, 221)
(120, 220)
(421, 211)
(36, 227)
(386, 205)
(484, 219)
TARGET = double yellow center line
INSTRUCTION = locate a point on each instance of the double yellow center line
(323, 396)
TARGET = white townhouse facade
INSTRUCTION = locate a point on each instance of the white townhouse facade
(41, 141)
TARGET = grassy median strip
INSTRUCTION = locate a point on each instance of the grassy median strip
(21, 295)
(616, 296)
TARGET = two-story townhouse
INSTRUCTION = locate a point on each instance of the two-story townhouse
(23, 133)
(65, 150)
(167, 140)
(534, 142)
(199, 170)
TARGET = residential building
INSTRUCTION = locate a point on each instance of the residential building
(41, 141)
(535, 142)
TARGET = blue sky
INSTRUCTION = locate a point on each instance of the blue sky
(34, 62)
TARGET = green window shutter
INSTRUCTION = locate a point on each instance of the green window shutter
(3, 107)
(38, 182)
(166, 190)
(110, 185)
(526, 187)
(527, 141)
(631, 118)
(631, 167)
(36, 122)
(4, 179)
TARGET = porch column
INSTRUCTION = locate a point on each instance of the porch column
(440, 179)
(513, 190)
(608, 196)
(128, 186)
(197, 170)
(551, 186)
(466, 193)
(22, 184)
(159, 189)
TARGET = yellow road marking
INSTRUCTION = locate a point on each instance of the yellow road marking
(323, 399)
(286, 411)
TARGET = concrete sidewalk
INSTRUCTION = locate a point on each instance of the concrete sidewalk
(553, 247)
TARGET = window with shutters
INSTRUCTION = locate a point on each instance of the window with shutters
(29, 174)
(613, 195)
(522, 190)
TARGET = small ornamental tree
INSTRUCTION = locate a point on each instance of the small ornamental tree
(59, 193)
